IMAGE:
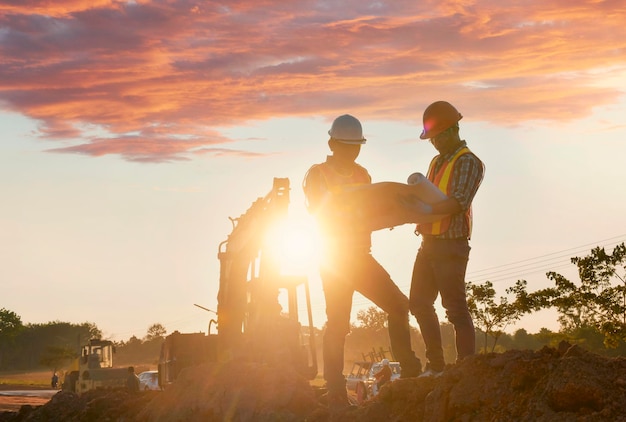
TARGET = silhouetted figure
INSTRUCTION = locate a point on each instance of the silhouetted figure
(347, 264)
(132, 381)
(55, 381)
(441, 261)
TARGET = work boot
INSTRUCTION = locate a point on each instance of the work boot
(433, 371)
(338, 401)
(411, 371)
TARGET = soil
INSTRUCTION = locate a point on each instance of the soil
(14, 403)
(566, 383)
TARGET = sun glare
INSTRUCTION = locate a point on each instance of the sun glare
(297, 244)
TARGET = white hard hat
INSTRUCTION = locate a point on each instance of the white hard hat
(385, 361)
(347, 130)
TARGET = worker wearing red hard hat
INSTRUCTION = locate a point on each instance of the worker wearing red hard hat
(440, 264)
(346, 263)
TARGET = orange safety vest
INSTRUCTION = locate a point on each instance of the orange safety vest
(443, 180)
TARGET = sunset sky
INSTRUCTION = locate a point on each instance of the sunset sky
(133, 130)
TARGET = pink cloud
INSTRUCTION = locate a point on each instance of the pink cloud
(173, 70)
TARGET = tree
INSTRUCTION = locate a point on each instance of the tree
(57, 356)
(600, 299)
(10, 323)
(372, 318)
(493, 318)
(523, 340)
(10, 326)
(488, 316)
(92, 329)
(30, 348)
(155, 332)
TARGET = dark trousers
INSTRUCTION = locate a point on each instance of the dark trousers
(439, 269)
(341, 277)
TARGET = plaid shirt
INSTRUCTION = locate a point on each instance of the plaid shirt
(467, 176)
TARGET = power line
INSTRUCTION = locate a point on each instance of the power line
(538, 264)
(559, 252)
(515, 271)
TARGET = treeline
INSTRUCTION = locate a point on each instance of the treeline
(590, 310)
(144, 351)
(28, 346)
(54, 345)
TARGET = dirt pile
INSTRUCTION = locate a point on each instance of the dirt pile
(97, 405)
(237, 392)
(564, 384)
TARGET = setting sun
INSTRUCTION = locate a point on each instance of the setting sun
(297, 245)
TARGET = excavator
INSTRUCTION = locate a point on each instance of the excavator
(251, 323)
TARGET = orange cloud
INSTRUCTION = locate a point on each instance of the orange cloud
(158, 76)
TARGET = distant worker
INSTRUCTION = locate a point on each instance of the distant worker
(441, 260)
(383, 376)
(346, 262)
(93, 360)
(132, 380)
(54, 382)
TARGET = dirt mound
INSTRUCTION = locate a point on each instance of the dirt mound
(238, 392)
(564, 384)
(568, 384)
(96, 405)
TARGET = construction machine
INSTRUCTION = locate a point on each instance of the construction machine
(94, 368)
(251, 323)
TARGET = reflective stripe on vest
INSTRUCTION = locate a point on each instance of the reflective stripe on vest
(443, 180)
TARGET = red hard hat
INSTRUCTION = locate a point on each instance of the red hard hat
(438, 117)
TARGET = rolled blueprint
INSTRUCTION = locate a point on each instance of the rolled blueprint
(378, 206)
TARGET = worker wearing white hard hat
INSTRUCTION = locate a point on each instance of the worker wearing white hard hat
(348, 130)
(346, 262)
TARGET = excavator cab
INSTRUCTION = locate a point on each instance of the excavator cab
(98, 354)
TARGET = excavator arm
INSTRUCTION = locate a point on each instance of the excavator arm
(249, 316)
(251, 324)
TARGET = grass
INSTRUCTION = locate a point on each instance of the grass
(42, 378)
(38, 379)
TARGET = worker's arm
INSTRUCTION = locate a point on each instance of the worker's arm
(315, 189)
(468, 175)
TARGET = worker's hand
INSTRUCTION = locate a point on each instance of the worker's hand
(411, 202)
